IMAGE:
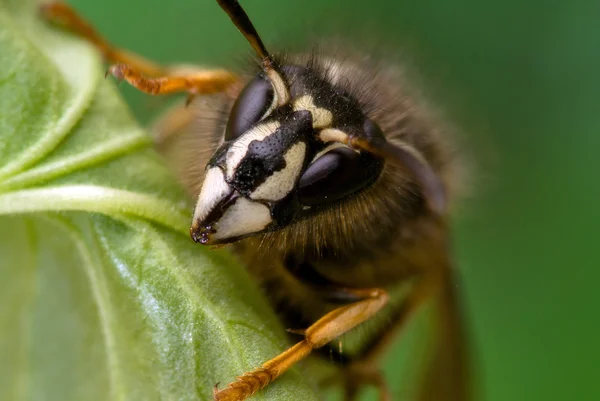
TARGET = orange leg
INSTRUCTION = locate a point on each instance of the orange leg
(195, 83)
(363, 369)
(143, 74)
(324, 330)
(62, 14)
(446, 376)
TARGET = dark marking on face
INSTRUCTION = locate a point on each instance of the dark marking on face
(265, 157)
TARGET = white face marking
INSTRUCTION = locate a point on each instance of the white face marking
(321, 117)
(214, 188)
(239, 148)
(280, 183)
(243, 217)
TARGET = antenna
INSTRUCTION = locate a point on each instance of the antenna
(241, 20)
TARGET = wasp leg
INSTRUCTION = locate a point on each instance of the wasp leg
(62, 14)
(362, 369)
(201, 82)
(324, 330)
(372, 352)
(447, 373)
(143, 74)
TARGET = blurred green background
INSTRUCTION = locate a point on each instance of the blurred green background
(522, 79)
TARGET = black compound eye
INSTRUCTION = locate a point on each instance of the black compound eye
(252, 104)
(337, 174)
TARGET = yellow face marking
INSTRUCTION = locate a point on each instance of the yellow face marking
(321, 117)
(333, 145)
(281, 183)
(336, 135)
(333, 135)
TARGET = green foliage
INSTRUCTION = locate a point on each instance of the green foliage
(103, 296)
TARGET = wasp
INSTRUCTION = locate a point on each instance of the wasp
(331, 182)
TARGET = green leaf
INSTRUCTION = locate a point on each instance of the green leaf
(103, 296)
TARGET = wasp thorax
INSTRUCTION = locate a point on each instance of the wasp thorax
(273, 167)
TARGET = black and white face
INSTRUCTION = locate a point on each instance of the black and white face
(275, 165)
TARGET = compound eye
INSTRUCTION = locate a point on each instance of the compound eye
(254, 102)
(337, 174)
